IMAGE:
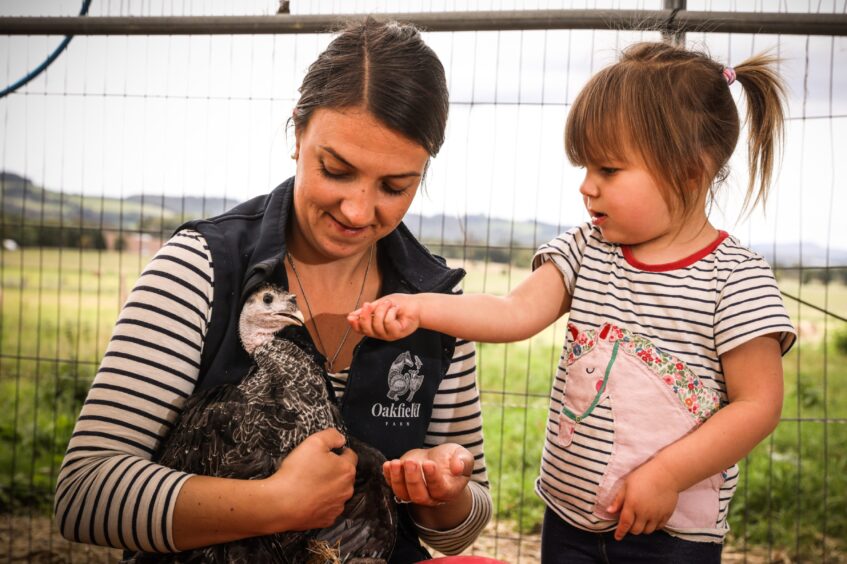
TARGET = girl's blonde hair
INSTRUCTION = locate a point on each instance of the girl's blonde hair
(673, 107)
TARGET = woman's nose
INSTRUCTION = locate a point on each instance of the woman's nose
(358, 206)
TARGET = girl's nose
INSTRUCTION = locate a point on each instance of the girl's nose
(588, 188)
(358, 207)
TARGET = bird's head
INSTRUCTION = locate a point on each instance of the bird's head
(268, 310)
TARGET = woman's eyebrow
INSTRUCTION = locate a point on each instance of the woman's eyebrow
(336, 155)
(344, 161)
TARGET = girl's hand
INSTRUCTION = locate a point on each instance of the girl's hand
(315, 482)
(646, 500)
(390, 318)
(431, 476)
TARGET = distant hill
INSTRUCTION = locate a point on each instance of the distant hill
(20, 197)
(812, 255)
(481, 230)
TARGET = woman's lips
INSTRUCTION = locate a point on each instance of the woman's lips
(345, 229)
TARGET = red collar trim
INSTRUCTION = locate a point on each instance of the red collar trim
(681, 263)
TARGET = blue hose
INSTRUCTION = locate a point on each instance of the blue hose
(48, 61)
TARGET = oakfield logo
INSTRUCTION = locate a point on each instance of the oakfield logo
(404, 377)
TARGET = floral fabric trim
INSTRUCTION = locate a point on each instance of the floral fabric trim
(699, 400)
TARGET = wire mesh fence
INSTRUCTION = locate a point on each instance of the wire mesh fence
(123, 138)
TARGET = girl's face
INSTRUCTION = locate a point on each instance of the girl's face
(625, 202)
(355, 181)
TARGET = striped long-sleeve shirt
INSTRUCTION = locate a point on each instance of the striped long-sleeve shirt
(696, 309)
(109, 492)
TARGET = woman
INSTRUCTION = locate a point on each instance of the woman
(372, 112)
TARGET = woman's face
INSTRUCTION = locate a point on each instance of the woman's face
(355, 181)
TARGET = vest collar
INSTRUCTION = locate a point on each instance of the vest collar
(407, 265)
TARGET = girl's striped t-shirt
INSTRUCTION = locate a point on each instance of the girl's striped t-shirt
(695, 309)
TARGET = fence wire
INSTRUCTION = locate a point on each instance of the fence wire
(123, 138)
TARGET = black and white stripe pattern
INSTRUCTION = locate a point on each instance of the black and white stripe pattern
(695, 312)
(110, 493)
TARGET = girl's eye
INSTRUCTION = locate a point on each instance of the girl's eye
(608, 170)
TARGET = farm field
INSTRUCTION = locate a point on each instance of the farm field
(57, 308)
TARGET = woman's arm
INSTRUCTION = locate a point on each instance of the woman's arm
(109, 492)
(753, 373)
(533, 305)
(307, 492)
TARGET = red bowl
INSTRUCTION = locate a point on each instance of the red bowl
(467, 560)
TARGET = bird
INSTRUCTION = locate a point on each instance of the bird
(245, 430)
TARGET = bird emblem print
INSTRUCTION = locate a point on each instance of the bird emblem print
(404, 377)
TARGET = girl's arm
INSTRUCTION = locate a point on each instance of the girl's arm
(753, 373)
(533, 305)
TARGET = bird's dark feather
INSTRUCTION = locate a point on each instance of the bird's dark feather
(244, 431)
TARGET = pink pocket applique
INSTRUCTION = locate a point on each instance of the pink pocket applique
(567, 427)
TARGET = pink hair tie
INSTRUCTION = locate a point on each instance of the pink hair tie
(729, 75)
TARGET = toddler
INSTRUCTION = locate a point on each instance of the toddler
(671, 369)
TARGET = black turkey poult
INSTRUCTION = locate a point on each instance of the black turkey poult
(246, 430)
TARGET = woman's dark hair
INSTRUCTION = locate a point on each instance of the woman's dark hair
(386, 68)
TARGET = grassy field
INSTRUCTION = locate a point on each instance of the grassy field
(56, 314)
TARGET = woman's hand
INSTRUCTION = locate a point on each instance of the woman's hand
(316, 482)
(390, 318)
(430, 477)
(645, 501)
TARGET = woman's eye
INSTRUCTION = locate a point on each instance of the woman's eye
(332, 173)
(393, 190)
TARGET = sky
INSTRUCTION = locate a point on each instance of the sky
(206, 115)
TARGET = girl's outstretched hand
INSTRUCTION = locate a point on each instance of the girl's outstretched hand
(390, 318)
(645, 501)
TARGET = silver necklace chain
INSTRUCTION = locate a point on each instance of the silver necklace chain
(330, 362)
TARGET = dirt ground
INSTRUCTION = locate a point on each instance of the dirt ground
(34, 539)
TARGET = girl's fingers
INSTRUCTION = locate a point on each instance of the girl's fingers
(378, 318)
(638, 526)
(625, 523)
(392, 325)
(366, 319)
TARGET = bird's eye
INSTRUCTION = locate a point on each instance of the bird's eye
(268, 298)
(590, 370)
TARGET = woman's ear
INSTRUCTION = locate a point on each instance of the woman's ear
(296, 154)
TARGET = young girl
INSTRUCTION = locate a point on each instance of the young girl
(671, 370)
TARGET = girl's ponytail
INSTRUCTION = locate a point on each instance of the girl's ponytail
(765, 95)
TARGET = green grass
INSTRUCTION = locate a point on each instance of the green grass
(57, 309)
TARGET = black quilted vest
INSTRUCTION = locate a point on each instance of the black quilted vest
(247, 245)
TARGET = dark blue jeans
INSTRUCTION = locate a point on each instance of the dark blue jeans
(562, 543)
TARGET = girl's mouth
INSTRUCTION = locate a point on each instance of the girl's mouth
(597, 217)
